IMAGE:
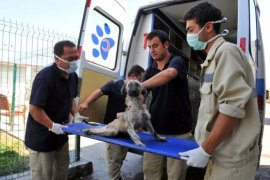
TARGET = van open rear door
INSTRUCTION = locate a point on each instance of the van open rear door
(100, 46)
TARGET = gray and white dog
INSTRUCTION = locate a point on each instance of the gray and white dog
(134, 117)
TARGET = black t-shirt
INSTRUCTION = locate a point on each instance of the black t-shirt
(53, 93)
(116, 102)
(170, 107)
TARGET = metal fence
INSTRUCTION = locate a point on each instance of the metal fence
(24, 50)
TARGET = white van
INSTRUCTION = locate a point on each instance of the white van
(109, 45)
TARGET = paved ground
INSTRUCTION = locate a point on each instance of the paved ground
(131, 169)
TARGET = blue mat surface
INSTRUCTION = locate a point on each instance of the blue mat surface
(170, 148)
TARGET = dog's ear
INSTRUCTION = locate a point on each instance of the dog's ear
(123, 90)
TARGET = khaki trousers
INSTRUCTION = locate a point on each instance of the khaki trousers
(243, 172)
(49, 165)
(153, 165)
(115, 156)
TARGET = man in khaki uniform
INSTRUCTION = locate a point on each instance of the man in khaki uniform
(228, 123)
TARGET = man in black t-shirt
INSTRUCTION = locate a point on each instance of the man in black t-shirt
(116, 103)
(170, 107)
(51, 102)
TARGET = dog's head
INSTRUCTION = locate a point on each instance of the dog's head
(133, 88)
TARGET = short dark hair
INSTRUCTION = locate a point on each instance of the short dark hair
(162, 35)
(59, 47)
(203, 13)
(136, 70)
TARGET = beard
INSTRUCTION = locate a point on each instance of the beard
(158, 57)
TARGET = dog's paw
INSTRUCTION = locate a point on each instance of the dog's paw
(160, 138)
(87, 131)
(96, 131)
(139, 143)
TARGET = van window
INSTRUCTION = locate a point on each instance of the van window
(178, 44)
(253, 31)
(101, 40)
(159, 24)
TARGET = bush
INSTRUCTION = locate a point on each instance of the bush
(13, 156)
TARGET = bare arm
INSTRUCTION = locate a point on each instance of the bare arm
(90, 99)
(222, 128)
(40, 116)
(161, 78)
(74, 108)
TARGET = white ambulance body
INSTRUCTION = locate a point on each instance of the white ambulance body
(110, 45)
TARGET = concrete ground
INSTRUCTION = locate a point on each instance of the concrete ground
(131, 169)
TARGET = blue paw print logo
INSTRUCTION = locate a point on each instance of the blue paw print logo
(105, 44)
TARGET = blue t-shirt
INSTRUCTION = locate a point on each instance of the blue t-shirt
(116, 101)
(170, 107)
(53, 93)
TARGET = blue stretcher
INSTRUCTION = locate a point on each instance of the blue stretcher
(170, 148)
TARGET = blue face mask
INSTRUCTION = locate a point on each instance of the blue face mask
(193, 39)
(72, 65)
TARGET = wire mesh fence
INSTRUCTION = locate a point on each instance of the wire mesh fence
(24, 51)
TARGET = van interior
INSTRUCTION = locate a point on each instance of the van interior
(169, 17)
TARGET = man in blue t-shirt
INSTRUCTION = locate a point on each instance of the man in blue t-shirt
(116, 103)
(51, 102)
(170, 107)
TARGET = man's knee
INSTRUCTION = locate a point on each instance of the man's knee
(153, 166)
(176, 169)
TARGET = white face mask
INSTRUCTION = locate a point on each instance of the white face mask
(194, 42)
(72, 65)
(193, 39)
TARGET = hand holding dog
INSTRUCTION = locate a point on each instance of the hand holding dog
(77, 118)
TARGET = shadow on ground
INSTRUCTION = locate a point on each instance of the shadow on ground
(131, 169)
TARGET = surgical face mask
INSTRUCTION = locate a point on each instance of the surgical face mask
(194, 42)
(193, 39)
(72, 65)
